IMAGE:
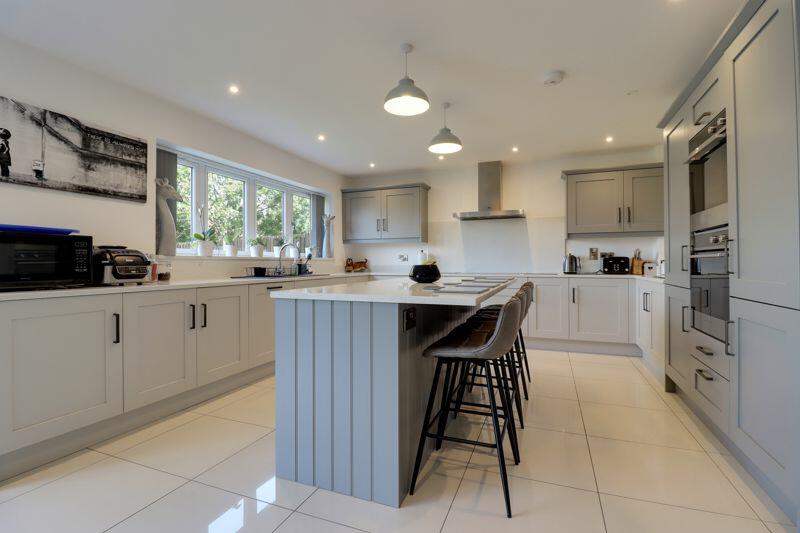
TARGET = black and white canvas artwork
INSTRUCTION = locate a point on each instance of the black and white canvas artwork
(42, 148)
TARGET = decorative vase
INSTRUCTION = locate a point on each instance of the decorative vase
(230, 250)
(327, 223)
(205, 248)
(166, 234)
(256, 250)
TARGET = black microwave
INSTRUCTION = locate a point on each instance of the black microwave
(39, 260)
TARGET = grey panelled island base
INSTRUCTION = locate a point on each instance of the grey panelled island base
(352, 383)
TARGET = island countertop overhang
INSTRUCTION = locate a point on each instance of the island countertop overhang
(394, 291)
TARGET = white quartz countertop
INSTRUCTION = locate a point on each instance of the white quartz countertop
(394, 291)
(533, 275)
(165, 286)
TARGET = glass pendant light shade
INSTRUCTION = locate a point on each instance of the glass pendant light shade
(445, 142)
(406, 99)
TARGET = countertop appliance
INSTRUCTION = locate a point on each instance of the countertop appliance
(708, 175)
(570, 264)
(709, 282)
(616, 265)
(30, 260)
(118, 265)
(425, 273)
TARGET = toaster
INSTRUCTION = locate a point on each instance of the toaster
(118, 265)
(616, 265)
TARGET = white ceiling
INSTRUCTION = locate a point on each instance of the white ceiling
(323, 66)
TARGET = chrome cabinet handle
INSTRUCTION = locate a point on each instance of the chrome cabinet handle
(728, 338)
(194, 324)
(703, 374)
(701, 117)
(683, 319)
(683, 262)
(703, 350)
(629, 213)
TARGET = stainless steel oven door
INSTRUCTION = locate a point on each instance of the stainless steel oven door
(710, 288)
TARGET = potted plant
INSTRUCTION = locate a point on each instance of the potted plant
(276, 246)
(206, 241)
(229, 243)
(257, 246)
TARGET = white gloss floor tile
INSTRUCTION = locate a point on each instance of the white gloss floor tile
(624, 515)
(222, 400)
(139, 435)
(258, 409)
(92, 499)
(300, 523)
(552, 413)
(633, 424)
(601, 359)
(547, 385)
(623, 373)
(195, 507)
(535, 506)
(465, 427)
(192, 448)
(267, 382)
(251, 472)
(684, 478)
(554, 367)
(619, 393)
(702, 433)
(547, 355)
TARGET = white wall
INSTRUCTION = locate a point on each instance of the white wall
(39, 79)
(535, 244)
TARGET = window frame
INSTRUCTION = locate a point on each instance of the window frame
(202, 167)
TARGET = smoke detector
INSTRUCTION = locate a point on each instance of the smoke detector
(554, 77)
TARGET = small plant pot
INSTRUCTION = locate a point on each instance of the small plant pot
(205, 248)
(230, 250)
(276, 251)
(256, 251)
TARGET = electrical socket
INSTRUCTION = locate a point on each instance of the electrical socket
(403, 258)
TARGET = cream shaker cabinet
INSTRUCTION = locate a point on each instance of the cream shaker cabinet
(222, 326)
(677, 200)
(598, 310)
(160, 345)
(680, 365)
(549, 314)
(643, 199)
(397, 213)
(262, 321)
(763, 177)
(60, 366)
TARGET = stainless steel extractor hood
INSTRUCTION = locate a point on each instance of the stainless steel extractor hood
(490, 187)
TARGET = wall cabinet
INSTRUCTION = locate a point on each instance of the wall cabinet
(60, 366)
(222, 340)
(549, 315)
(615, 201)
(763, 174)
(679, 362)
(159, 345)
(764, 388)
(262, 321)
(397, 213)
(598, 310)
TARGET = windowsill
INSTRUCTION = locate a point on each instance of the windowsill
(189, 257)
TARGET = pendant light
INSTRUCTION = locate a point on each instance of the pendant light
(445, 142)
(406, 99)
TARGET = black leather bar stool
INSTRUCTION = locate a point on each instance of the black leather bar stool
(466, 344)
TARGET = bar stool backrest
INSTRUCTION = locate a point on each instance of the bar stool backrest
(505, 331)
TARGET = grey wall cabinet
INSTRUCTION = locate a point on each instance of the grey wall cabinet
(676, 199)
(615, 201)
(763, 160)
(397, 213)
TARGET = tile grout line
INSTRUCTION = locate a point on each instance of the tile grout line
(461, 480)
(148, 505)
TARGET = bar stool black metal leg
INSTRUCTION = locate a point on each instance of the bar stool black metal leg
(518, 366)
(525, 355)
(462, 388)
(426, 421)
(498, 438)
(514, 378)
(447, 392)
(505, 398)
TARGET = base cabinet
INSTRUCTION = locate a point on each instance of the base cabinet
(549, 314)
(679, 362)
(650, 323)
(60, 366)
(262, 322)
(598, 310)
(222, 339)
(160, 345)
(765, 373)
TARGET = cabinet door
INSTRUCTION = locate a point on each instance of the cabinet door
(594, 202)
(644, 319)
(764, 388)
(400, 213)
(676, 201)
(60, 366)
(679, 362)
(262, 321)
(762, 160)
(221, 332)
(658, 340)
(362, 215)
(598, 310)
(549, 315)
(644, 200)
(160, 345)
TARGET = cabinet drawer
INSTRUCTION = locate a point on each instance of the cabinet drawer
(711, 393)
(710, 352)
(709, 102)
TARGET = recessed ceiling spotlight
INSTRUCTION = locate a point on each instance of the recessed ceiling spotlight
(320, 137)
(632, 92)
(441, 158)
(233, 89)
(372, 165)
(515, 149)
(609, 139)
(554, 77)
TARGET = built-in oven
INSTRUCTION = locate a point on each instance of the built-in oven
(708, 174)
(710, 286)
(39, 260)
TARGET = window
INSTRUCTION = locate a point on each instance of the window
(242, 207)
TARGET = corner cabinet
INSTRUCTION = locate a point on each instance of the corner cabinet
(398, 213)
(60, 366)
(615, 201)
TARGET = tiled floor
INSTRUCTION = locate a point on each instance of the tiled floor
(604, 449)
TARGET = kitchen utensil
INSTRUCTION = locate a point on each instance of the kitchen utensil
(571, 264)
(637, 264)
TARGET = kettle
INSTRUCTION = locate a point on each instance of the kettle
(571, 264)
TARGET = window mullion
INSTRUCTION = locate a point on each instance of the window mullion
(288, 228)
(249, 211)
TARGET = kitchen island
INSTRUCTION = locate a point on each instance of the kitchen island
(352, 383)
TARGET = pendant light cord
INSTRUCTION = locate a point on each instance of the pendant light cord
(406, 60)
